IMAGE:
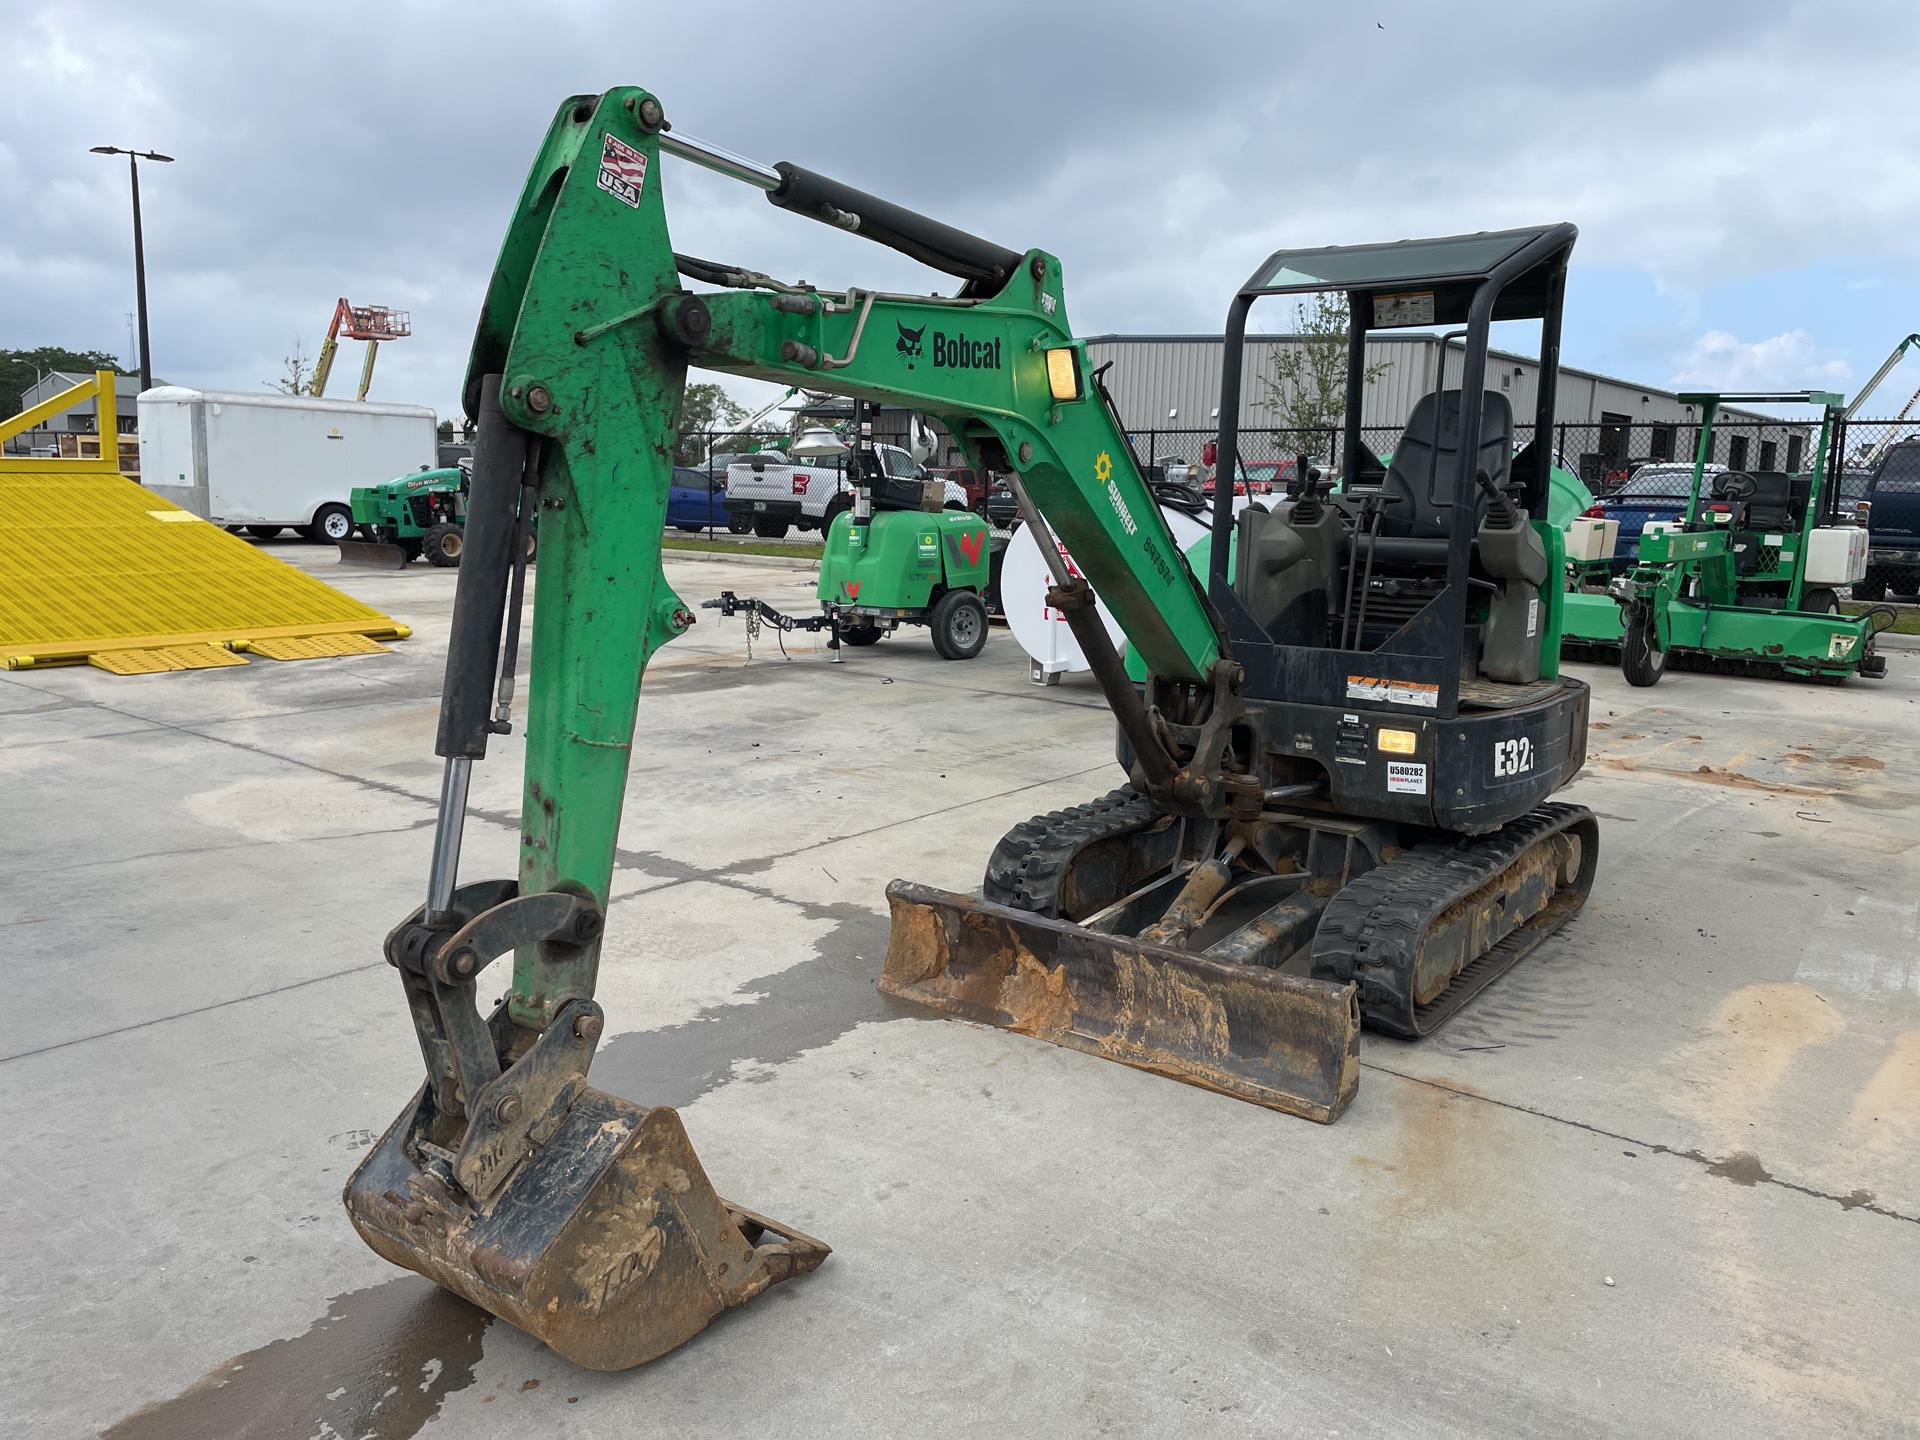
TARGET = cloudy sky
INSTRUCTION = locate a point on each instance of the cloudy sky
(1743, 175)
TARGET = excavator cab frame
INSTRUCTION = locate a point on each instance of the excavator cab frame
(1461, 280)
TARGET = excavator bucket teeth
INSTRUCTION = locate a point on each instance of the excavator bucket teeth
(1279, 1040)
(372, 555)
(609, 1244)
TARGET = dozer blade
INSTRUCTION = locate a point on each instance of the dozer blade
(609, 1244)
(372, 555)
(1283, 1041)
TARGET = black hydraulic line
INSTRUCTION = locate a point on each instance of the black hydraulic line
(1366, 579)
(926, 240)
(479, 597)
(517, 591)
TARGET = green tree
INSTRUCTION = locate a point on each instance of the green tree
(21, 369)
(446, 431)
(299, 376)
(705, 408)
(1308, 388)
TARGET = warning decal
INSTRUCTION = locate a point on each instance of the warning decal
(623, 171)
(1406, 777)
(1413, 308)
(1393, 692)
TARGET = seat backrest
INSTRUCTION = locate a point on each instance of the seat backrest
(1418, 486)
(1771, 507)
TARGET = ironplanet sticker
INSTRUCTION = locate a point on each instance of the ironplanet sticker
(1393, 692)
(1406, 777)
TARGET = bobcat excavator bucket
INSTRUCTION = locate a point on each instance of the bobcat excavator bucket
(608, 1243)
(1284, 1041)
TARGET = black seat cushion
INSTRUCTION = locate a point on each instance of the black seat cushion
(1418, 486)
(1771, 507)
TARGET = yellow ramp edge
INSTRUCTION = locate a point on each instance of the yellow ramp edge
(162, 658)
(93, 568)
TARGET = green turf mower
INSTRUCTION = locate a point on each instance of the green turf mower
(1746, 581)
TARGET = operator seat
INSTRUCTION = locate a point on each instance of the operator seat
(1418, 486)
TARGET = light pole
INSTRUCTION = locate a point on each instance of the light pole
(134, 157)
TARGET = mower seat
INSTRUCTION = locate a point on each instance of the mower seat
(1418, 485)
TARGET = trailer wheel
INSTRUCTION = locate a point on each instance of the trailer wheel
(1639, 661)
(770, 529)
(1819, 601)
(333, 523)
(264, 532)
(959, 623)
(442, 545)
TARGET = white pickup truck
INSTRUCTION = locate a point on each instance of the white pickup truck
(772, 494)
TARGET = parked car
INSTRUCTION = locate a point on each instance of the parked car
(772, 495)
(973, 484)
(1257, 477)
(696, 500)
(1654, 492)
(1893, 526)
(999, 507)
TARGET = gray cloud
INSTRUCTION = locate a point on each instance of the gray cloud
(1161, 151)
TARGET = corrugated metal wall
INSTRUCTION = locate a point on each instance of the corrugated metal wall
(1173, 382)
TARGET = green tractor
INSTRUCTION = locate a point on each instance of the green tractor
(1746, 579)
(419, 514)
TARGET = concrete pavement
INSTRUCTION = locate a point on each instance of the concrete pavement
(1662, 1179)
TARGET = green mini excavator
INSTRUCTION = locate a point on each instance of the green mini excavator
(1338, 765)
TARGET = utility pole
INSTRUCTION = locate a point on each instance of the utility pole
(134, 157)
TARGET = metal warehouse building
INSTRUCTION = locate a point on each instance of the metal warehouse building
(1168, 386)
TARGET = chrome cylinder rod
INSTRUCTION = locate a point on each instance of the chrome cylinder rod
(447, 831)
(721, 162)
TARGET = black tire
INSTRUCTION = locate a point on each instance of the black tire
(1640, 663)
(1904, 586)
(689, 529)
(770, 529)
(1819, 601)
(836, 507)
(332, 523)
(862, 635)
(442, 545)
(264, 532)
(739, 525)
(1874, 587)
(956, 505)
(959, 623)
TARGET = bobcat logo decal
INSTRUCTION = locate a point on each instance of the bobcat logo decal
(909, 342)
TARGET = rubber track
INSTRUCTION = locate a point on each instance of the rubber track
(1388, 910)
(1032, 860)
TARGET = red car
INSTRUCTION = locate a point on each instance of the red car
(974, 482)
(1257, 477)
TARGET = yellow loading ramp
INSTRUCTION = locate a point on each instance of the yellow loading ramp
(95, 569)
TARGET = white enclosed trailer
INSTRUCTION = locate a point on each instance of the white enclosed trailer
(267, 461)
